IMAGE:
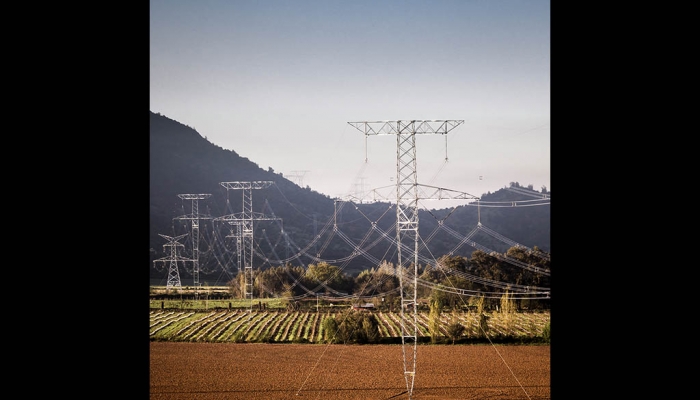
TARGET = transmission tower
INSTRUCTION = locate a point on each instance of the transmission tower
(194, 217)
(360, 188)
(238, 235)
(298, 177)
(173, 273)
(408, 193)
(244, 229)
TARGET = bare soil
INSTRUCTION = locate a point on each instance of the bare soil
(209, 371)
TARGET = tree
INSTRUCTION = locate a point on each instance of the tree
(486, 266)
(287, 296)
(507, 303)
(363, 282)
(235, 285)
(264, 284)
(354, 327)
(437, 299)
(330, 329)
(370, 328)
(327, 274)
(478, 302)
(452, 299)
(458, 263)
(455, 330)
(483, 324)
(507, 308)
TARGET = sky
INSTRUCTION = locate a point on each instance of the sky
(279, 81)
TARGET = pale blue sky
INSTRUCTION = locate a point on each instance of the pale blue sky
(278, 82)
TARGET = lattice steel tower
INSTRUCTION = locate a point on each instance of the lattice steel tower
(408, 193)
(173, 272)
(298, 176)
(244, 229)
(194, 217)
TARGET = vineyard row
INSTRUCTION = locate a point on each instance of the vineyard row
(307, 326)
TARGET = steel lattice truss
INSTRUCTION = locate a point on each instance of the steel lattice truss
(244, 229)
(194, 217)
(173, 272)
(407, 196)
(406, 127)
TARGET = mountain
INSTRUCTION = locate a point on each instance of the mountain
(192, 177)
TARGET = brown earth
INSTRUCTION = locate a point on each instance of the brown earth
(208, 371)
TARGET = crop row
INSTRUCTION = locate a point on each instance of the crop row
(307, 326)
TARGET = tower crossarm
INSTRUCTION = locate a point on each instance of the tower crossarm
(173, 244)
(400, 127)
(247, 185)
(172, 239)
(240, 217)
(437, 193)
(192, 217)
(188, 196)
(235, 217)
(173, 258)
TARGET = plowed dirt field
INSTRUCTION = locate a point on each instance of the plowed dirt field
(209, 371)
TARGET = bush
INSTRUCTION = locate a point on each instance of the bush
(352, 327)
(455, 330)
(330, 329)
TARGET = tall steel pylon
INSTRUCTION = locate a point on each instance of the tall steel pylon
(173, 258)
(244, 229)
(194, 217)
(408, 193)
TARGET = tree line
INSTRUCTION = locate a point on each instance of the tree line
(454, 273)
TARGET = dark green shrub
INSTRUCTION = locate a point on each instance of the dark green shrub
(330, 330)
(352, 327)
(455, 330)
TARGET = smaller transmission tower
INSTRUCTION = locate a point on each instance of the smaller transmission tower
(298, 177)
(244, 230)
(173, 258)
(194, 217)
(360, 188)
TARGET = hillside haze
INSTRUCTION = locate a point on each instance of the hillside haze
(300, 226)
